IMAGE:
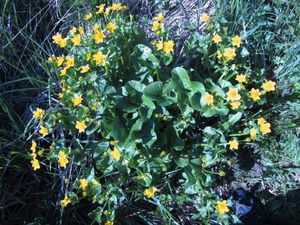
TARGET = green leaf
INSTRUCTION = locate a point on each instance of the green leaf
(182, 162)
(167, 59)
(211, 111)
(195, 101)
(244, 52)
(233, 118)
(196, 86)
(154, 90)
(180, 76)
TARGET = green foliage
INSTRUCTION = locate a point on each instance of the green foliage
(128, 117)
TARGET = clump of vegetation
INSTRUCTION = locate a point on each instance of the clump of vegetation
(126, 122)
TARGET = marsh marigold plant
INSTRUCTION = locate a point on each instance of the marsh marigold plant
(126, 117)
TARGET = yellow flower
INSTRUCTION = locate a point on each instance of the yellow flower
(98, 36)
(219, 54)
(33, 155)
(115, 154)
(63, 42)
(59, 60)
(100, 8)
(261, 121)
(265, 128)
(80, 125)
(59, 40)
(241, 78)
(252, 134)
(81, 30)
(64, 202)
(38, 113)
(62, 159)
(159, 17)
(149, 192)
(116, 6)
(168, 46)
(236, 41)
(88, 56)
(235, 105)
(33, 146)
(208, 99)
(233, 144)
(94, 182)
(94, 105)
(95, 27)
(99, 58)
(229, 54)
(156, 26)
(106, 212)
(85, 69)
(124, 7)
(83, 183)
(63, 72)
(111, 27)
(216, 38)
(77, 100)
(35, 164)
(43, 131)
(255, 94)
(204, 17)
(73, 30)
(233, 94)
(109, 223)
(51, 58)
(69, 62)
(88, 16)
(60, 95)
(159, 45)
(222, 173)
(76, 40)
(269, 85)
(107, 11)
(221, 207)
(113, 142)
